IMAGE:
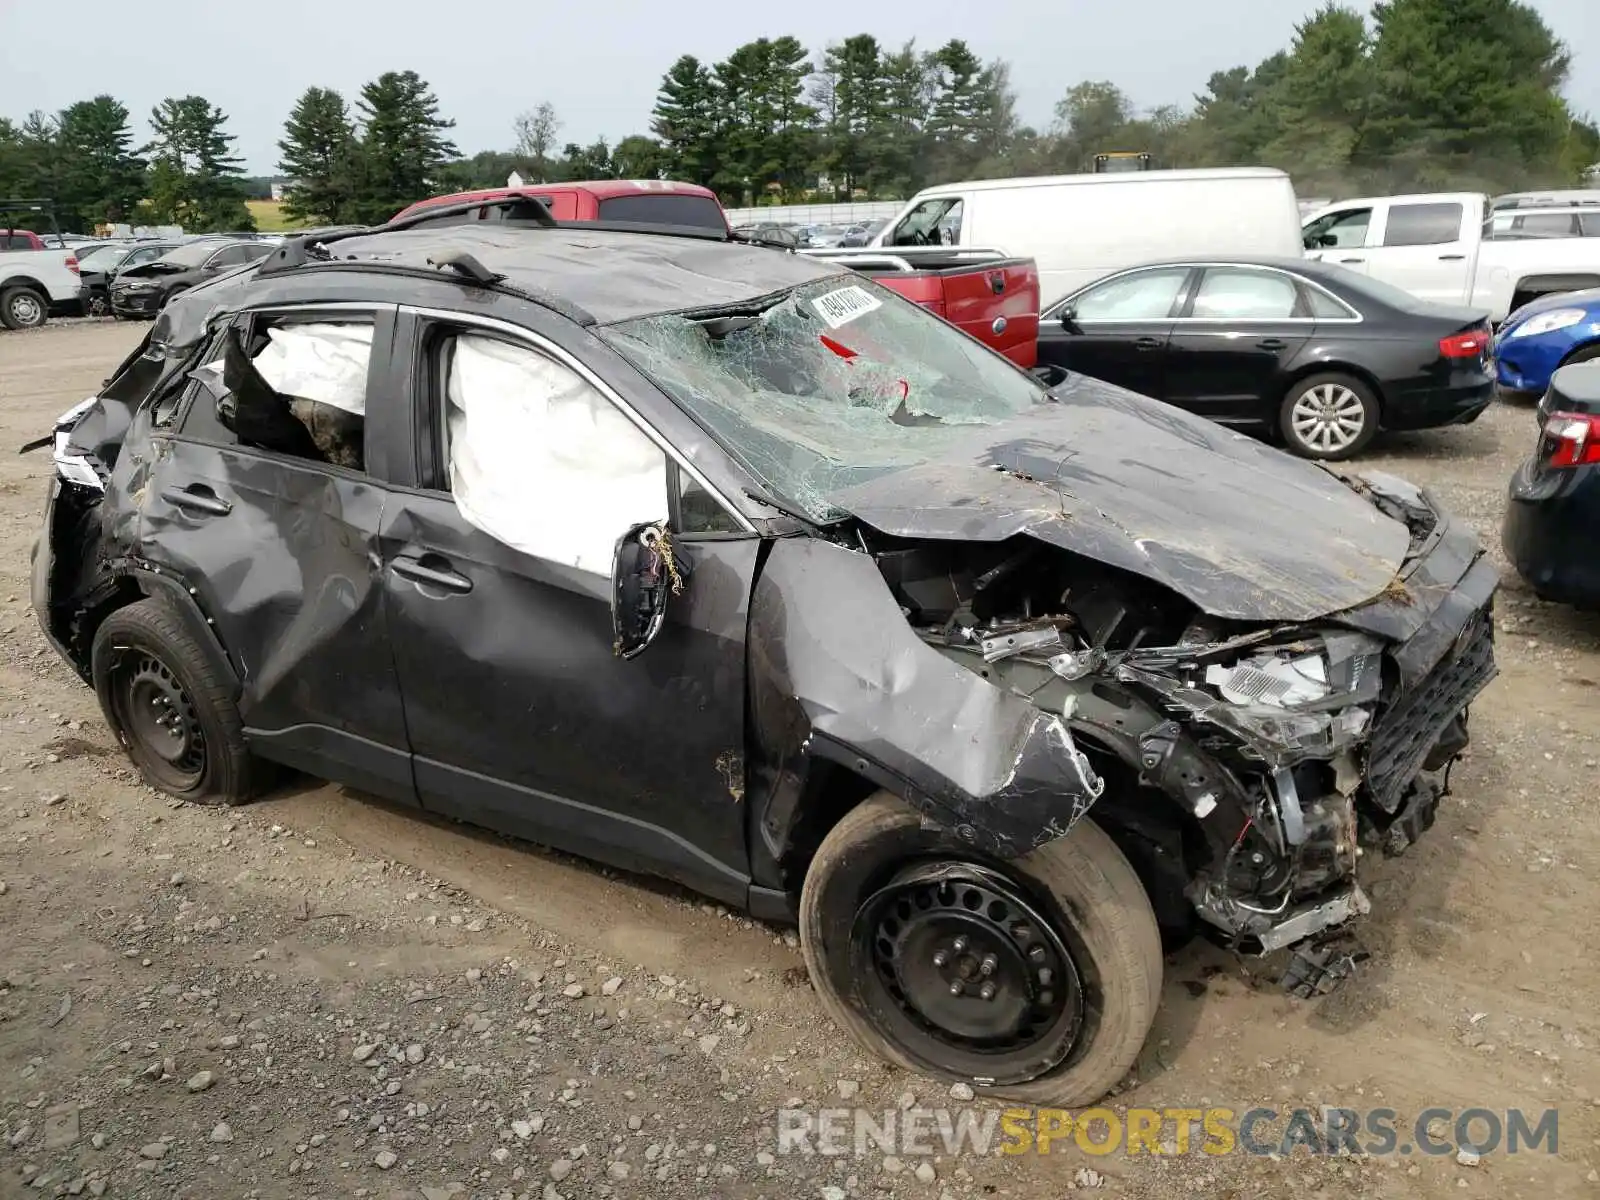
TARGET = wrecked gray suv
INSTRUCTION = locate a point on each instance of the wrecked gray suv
(709, 561)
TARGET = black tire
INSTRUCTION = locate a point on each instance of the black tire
(1582, 354)
(1080, 886)
(145, 661)
(23, 308)
(1330, 437)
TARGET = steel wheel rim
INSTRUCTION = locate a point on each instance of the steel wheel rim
(1328, 417)
(158, 717)
(26, 309)
(963, 959)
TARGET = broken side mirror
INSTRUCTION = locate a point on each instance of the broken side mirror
(645, 574)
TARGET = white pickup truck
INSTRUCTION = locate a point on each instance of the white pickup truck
(32, 282)
(1434, 247)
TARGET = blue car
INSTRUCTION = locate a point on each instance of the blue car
(1547, 333)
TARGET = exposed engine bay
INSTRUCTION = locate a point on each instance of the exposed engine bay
(1242, 767)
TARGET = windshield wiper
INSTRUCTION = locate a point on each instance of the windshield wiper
(787, 510)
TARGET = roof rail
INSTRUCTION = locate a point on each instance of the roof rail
(297, 252)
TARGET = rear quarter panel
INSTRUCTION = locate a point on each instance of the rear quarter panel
(1007, 319)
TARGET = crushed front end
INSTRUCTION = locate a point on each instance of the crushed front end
(1249, 765)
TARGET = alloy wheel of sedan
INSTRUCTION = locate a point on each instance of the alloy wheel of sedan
(1329, 417)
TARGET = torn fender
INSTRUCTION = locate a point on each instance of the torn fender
(837, 673)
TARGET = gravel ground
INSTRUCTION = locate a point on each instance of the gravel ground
(320, 995)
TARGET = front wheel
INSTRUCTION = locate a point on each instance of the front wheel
(1036, 978)
(23, 308)
(1328, 417)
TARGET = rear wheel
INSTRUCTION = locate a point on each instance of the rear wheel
(170, 708)
(1328, 417)
(23, 308)
(1036, 978)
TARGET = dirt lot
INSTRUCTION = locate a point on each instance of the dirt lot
(318, 995)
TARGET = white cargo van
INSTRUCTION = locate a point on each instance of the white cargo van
(1080, 227)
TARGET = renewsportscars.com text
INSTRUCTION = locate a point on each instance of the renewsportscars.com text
(1216, 1131)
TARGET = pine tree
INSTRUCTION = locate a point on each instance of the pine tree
(1467, 91)
(403, 152)
(319, 157)
(103, 179)
(685, 121)
(195, 179)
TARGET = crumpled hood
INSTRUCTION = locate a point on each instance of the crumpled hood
(1242, 530)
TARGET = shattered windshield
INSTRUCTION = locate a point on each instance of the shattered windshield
(827, 385)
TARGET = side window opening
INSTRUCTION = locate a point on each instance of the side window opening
(1345, 230)
(540, 459)
(934, 222)
(294, 388)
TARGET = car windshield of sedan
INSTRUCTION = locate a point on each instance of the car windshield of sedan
(827, 385)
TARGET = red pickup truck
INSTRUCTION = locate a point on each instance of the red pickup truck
(648, 201)
(985, 293)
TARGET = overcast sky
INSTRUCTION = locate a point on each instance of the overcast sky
(600, 65)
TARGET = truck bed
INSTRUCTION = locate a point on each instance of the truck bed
(984, 293)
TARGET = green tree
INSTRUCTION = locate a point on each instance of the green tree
(195, 179)
(684, 120)
(963, 110)
(586, 162)
(908, 99)
(765, 129)
(1467, 92)
(1235, 116)
(1322, 102)
(536, 132)
(639, 157)
(1093, 117)
(103, 180)
(851, 91)
(318, 154)
(403, 150)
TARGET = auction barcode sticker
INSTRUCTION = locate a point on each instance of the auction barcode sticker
(843, 305)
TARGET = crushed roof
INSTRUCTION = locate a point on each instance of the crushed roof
(612, 276)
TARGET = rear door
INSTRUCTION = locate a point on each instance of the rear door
(1241, 325)
(1425, 247)
(1118, 329)
(274, 527)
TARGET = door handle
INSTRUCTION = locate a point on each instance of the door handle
(432, 569)
(1271, 344)
(1452, 258)
(196, 498)
(1147, 343)
(1351, 260)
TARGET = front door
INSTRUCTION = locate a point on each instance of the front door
(1117, 330)
(497, 583)
(1240, 329)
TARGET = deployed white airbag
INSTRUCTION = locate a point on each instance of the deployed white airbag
(543, 461)
(323, 363)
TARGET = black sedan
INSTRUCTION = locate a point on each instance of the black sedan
(97, 270)
(1312, 352)
(141, 291)
(1554, 512)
